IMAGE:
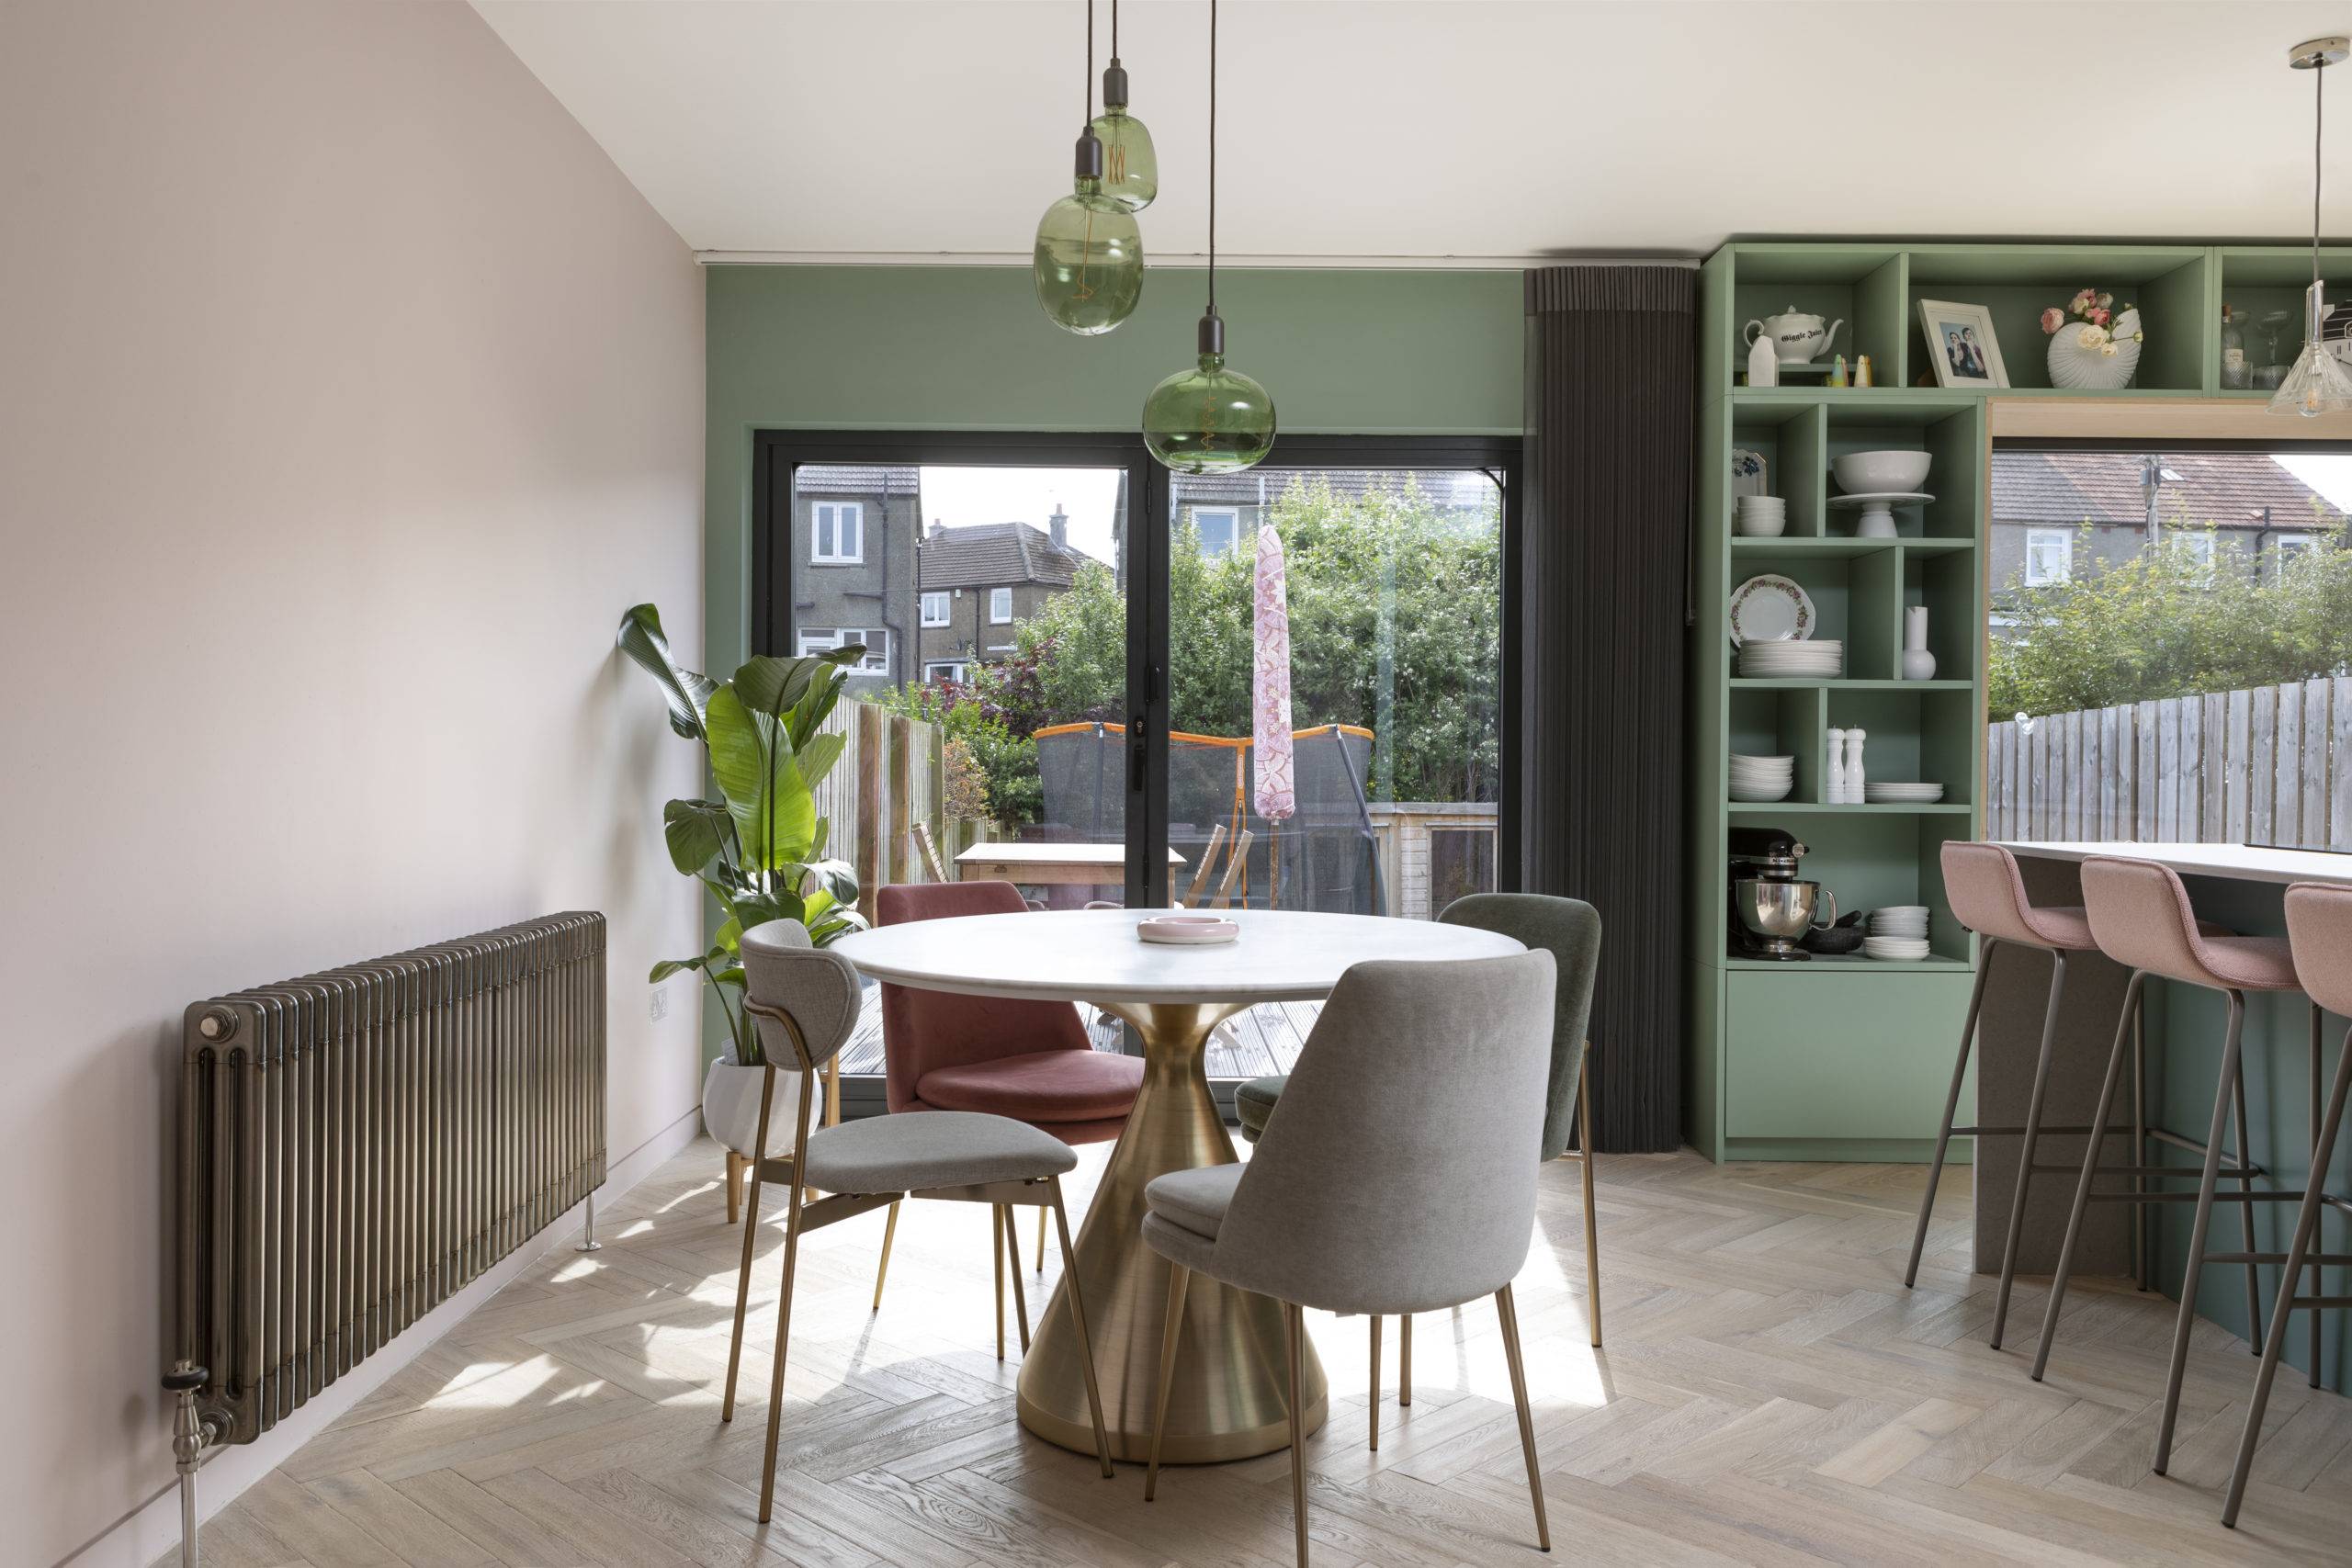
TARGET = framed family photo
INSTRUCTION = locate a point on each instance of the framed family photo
(1962, 345)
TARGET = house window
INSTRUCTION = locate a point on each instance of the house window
(817, 639)
(837, 532)
(2198, 546)
(935, 609)
(2049, 556)
(953, 669)
(2290, 546)
(1218, 528)
(1000, 607)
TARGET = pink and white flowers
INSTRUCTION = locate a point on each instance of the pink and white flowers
(2101, 321)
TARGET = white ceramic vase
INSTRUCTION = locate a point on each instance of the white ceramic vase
(2073, 365)
(1918, 664)
(730, 1107)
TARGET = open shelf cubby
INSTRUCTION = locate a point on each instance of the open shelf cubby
(1871, 859)
(2271, 283)
(2169, 284)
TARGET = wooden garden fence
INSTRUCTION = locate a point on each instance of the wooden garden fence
(892, 774)
(2271, 765)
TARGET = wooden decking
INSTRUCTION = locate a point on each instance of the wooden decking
(1264, 1040)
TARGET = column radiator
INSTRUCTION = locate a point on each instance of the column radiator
(358, 1144)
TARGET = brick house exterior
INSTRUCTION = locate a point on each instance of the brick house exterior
(2062, 515)
(977, 583)
(854, 529)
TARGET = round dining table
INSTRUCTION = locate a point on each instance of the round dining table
(1228, 1401)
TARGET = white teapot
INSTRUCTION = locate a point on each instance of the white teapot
(1796, 338)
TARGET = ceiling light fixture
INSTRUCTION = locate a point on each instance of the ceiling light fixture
(2319, 383)
(1130, 167)
(1089, 257)
(1209, 420)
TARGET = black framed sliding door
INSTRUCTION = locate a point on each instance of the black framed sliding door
(1087, 626)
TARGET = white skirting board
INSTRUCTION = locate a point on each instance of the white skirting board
(153, 1529)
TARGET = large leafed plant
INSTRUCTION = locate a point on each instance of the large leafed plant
(761, 847)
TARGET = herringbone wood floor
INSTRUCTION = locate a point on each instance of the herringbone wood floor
(1770, 1393)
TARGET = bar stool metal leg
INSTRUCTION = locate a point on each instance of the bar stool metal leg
(2090, 1171)
(2317, 1178)
(2033, 1136)
(1952, 1108)
(2306, 1235)
(2243, 1157)
(2223, 1097)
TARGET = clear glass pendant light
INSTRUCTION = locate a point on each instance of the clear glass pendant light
(1130, 166)
(2318, 384)
(1209, 418)
(1087, 261)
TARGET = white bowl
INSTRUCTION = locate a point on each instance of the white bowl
(1759, 793)
(1769, 525)
(1879, 473)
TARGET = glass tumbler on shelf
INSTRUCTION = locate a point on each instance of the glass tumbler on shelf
(2279, 352)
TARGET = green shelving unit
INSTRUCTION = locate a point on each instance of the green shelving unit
(1849, 1058)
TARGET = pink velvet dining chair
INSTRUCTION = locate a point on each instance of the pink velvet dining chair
(1029, 1060)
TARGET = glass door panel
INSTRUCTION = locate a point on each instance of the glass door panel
(1356, 769)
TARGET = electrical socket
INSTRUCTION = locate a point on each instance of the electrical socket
(659, 1004)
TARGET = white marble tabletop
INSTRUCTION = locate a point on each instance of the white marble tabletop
(1282, 956)
(2242, 862)
(1030, 852)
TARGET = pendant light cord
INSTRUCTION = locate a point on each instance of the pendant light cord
(1115, 32)
(1088, 121)
(2319, 110)
(1212, 165)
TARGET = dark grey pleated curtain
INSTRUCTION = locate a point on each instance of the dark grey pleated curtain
(1606, 553)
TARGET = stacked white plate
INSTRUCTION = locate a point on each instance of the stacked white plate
(1895, 794)
(1761, 516)
(1898, 932)
(1762, 778)
(1790, 659)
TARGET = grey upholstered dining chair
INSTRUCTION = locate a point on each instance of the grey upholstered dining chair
(1569, 930)
(806, 1001)
(1399, 1176)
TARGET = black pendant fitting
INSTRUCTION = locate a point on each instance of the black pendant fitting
(1114, 85)
(1090, 155)
(1213, 334)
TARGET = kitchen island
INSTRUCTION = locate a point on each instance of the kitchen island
(2238, 886)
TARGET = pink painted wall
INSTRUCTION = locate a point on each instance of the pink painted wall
(348, 393)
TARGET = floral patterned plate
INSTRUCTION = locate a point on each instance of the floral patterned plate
(1770, 608)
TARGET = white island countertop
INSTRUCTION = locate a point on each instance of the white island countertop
(2242, 862)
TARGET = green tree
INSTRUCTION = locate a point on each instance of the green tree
(1395, 622)
(2165, 624)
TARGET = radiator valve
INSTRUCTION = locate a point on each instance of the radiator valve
(194, 1432)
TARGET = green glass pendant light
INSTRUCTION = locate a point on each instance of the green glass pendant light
(1209, 418)
(1089, 258)
(1130, 167)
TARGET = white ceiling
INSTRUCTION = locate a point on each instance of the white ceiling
(1475, 129)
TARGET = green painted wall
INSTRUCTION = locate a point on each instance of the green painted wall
(1344, 352)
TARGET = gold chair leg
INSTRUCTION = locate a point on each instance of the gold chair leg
(1592, 1224)
(1078, 1322)
(1041, 1243)
(782, 1344)
(996, 1246)
(742, 1297)
(882, 1269)
(1294, 1337)
(1012, 1257)
(1177, 1278)
(1509, 1311)
(1373, 1402)
(1403, 1360)
(734, 1187)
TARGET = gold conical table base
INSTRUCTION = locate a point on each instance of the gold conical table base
(1229, 1400)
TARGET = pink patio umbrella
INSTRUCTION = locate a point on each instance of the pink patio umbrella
(1269, 688)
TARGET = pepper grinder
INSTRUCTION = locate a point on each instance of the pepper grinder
(1854, 780)
(1836, 767)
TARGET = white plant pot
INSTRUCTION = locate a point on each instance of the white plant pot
(2073, 365)
(730, 1107)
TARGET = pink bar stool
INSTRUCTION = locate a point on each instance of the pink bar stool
(1988, 895)
(2139, 913)
(2319, 931)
